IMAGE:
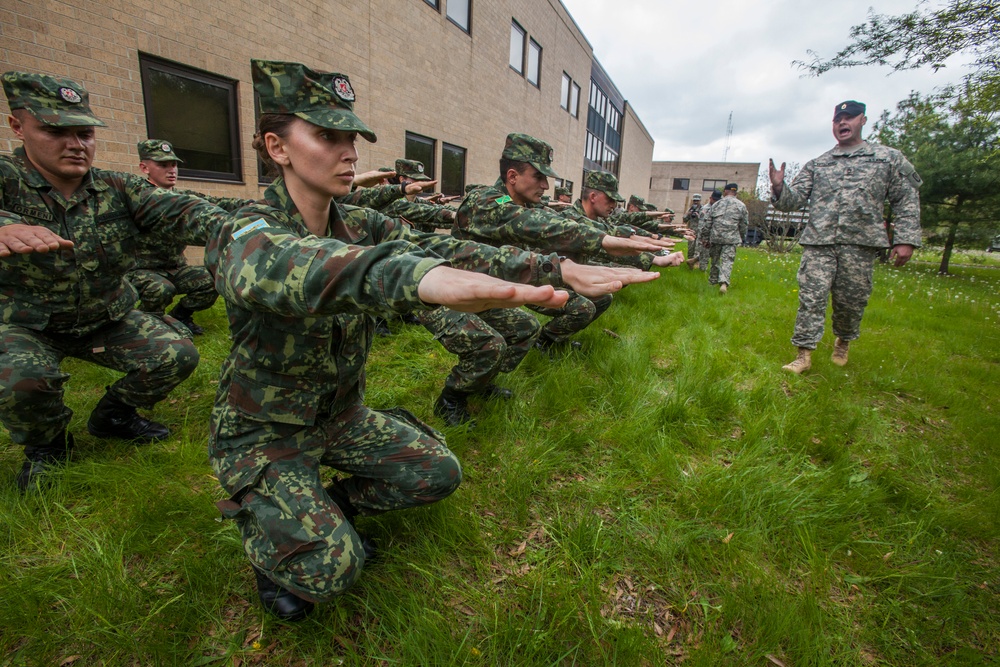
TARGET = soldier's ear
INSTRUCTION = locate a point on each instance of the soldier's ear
(276, 148)
(15, 126)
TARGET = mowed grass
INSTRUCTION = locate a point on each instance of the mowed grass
(668, 495)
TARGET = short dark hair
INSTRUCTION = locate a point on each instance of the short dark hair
(506, 164)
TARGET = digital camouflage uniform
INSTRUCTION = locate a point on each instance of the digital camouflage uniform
(704, 253)
(725, 228)
(846, 190)
(291, 390)
(488, 215)
(692, 218)
(161, 271)
(76, 302)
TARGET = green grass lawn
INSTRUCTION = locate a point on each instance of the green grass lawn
(666, 495)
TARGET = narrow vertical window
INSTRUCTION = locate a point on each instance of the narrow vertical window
(534, 62)
(564, 92)
(517, 47)
(459, 13)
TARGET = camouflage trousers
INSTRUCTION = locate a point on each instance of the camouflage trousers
(154, 356)
(292, 529)
(722, 255)
(703, 252)
(487, 343)
(843, 272)
(158, 287)
(578, 312)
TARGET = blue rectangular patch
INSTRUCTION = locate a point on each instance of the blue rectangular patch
(252, 227)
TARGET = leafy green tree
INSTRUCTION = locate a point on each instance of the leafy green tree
(955, 146)
(926, 39)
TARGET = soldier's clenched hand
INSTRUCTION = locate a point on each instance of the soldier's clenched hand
(475, 292)
(901, 253)
(22, 239)
(673, 259)
(599, 280)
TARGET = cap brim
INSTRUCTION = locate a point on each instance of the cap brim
(338, 119)
(54, 118)
(617, 197)
(167, 158)
(421, 177)
(845, 113)
(545, 169)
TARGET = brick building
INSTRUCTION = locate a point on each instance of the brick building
(442, 81)
(673, 183)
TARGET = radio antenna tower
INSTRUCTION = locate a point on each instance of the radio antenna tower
(729, 136)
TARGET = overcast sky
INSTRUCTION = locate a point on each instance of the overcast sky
(684, 73)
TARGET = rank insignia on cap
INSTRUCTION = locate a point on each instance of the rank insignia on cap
(70, 95)
(844, 105)
(343, 88)
(420, 168)
(165, 147)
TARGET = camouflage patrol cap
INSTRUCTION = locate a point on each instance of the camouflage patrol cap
(603, 182)
(650, 207)
(637, 201)
(524, 148)
(849, 108)
(54, 101)
(561, 191)
(411, 169)
(157, 150)
(321, 98)
(385, 169)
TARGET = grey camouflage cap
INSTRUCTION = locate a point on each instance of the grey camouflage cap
(54, 101)
(157, 150)
(411, 169)
(525, 148)
(602, 181)
(696, 197)
(321, 98)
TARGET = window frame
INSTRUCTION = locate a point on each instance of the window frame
(537, 83)
(716, 181)
(436, 4)
(430, 169)
(514, 25)
(565, 88)
(574, 94)
(468, 13)
(684, 183)
(445, 146)
(147, 62)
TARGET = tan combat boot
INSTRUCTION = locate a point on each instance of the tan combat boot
(802, 363)
(839, 356)
(723, 288)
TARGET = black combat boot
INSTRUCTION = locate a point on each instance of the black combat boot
(339, 495)
(41, 458)
(113, 419)
(453, 407)
(382, 327)
(492, 391)
(186, 317)
(280, 601)
(554, 349)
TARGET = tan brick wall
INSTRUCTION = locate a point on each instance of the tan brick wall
(413, 70)
(637, 156)
(743, 174)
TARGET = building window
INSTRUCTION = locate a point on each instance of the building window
(604, 132)
(422, 149)
(434, 4)
(574, 101)
(564, 92)
(534, 62)
(517, 35)
(452, 169)
(713, 184)
(195, 111)
(681, 183)
(458, 12)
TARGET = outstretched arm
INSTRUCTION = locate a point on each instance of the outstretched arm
(475, 292)
(22, 239)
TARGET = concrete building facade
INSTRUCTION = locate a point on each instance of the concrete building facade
(673, 184)
(439, 80)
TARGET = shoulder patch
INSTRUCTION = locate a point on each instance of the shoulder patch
(909, 172)
(504, 200)
(252, 227)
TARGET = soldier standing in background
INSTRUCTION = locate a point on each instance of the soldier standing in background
(692, 220)
(564, 195)
(846, 189)
(725, 228)
(68, 235)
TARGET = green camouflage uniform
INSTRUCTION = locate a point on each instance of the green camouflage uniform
(846, 191)
(488, 215)
(291, 391)
(725, 228)
(577, 214)
(76, 302)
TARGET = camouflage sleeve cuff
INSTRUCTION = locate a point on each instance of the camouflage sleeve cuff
(398, 279)
(546, 270)
(9, 219)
